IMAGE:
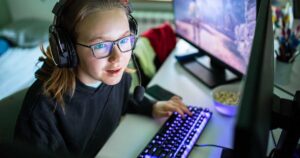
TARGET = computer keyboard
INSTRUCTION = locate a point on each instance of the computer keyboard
(177, 136)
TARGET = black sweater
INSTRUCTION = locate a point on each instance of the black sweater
(90, 117)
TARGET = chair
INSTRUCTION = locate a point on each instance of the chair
(9, 110)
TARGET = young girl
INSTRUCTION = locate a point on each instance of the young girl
(75, 105)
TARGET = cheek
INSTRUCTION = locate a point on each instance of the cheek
(84, 55)
(127, 57)
(97, 64)
(88, 62)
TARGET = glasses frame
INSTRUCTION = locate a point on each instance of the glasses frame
(115, 42)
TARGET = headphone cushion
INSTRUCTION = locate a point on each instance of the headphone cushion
(72, 55)
(62, 48)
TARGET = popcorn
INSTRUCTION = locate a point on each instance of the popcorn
(227, 97)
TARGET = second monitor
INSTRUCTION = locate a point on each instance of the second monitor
(220, 29)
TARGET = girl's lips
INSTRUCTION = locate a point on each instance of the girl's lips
(114, 71)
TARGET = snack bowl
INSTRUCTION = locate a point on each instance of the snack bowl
(226, 99)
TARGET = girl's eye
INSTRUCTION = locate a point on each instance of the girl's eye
(100, 46)
(124, 40)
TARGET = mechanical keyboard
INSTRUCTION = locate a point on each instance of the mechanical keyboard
(177, 136)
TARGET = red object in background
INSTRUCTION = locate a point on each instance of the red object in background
(125, 2)
(162, 39)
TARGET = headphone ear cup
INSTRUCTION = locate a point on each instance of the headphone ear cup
(70, 48)
(62, 48)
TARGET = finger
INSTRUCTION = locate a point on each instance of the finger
(179, 110)
(186, 110)
(173, 108)
(175, 97)
(165, 114)
(182, 106)
(161, 114)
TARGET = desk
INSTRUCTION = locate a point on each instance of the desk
(287, 75)
(134, 131)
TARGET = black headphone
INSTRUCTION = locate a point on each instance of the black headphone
(62, 47)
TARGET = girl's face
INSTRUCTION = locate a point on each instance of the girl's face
(101, 26)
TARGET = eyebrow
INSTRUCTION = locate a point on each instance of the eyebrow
(100, 37)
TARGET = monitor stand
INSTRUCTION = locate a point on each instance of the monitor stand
(207, 71)
(286, 115)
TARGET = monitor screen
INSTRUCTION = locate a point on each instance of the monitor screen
(223, 29)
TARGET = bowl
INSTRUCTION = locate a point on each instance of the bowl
(226, 99)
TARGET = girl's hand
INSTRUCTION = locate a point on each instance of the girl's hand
(166, 108)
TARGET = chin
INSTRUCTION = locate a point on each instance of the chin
(112, 80)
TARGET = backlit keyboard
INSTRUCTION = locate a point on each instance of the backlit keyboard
(177, 136)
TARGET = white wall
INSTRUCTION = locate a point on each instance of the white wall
(41, 9)
(4, 13)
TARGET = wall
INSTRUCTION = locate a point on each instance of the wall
(152, 6)
(40, 9)
(4, 13)
(151, 14)
(148, 13)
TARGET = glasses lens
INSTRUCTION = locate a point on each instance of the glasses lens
(102, 49)
(126, 43)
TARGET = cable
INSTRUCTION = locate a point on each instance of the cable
(139, 90)
(273, 137)
(210, 145)
(284, 91)
(137, 67)
(272, 153)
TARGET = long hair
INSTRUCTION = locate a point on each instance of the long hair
(61, 82)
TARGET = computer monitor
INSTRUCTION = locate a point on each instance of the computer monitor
(254, 118)
(296, 9)
(221, 29)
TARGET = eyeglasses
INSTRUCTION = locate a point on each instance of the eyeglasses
(103, 49)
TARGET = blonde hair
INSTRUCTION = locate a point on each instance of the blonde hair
(59, 82)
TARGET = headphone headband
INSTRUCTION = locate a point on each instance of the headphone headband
(57, 9)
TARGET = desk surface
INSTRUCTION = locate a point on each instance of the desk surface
(287, 76)
(134, 131)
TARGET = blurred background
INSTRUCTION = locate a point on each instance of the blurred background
(148, 12)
